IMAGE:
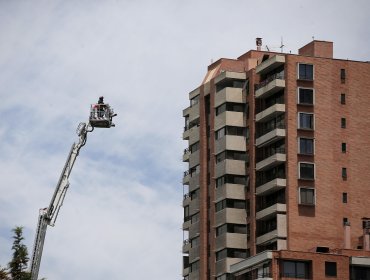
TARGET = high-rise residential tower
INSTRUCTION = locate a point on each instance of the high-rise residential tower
(278, 184)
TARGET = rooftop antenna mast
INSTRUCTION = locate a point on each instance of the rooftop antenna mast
(282, 45)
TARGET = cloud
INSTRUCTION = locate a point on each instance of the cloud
(122, 215)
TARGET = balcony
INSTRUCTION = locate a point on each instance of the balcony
(270, 86)
(270, 113)
(231, 240)
(192, 112)
(273, 160)
(231, 215)
(194, 230)
(230, 166)
(279, 231)
(232, 191)
(194, 182)
(194, 206)
(186, 155)
(271, 211)
(229, 118)
(270, 64)
(186, 178)
(186, 246)
(185, 271)
(223, 266)
(186, 225)
(272, 135)
(229, 94)
(194, 159)
(230, 142)
(194, 254)
(271, 186)
(186, 200)
(194, 275)
(191, 134)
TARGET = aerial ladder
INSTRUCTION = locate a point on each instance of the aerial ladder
(100, 116)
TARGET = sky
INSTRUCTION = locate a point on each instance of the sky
(122, 215)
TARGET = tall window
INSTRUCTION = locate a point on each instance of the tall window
(305, 96)
(343, 123)
(305, 72)
(306, 121)
(306, 171)
(307, 196)
(342, 98)
(330, 269)
(295, 269)
(306, 146)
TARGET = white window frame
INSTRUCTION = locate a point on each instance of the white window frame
(313, 96)
(299, 170)
(299, 123)
(299, 195)
(313, 71)
(299, 145)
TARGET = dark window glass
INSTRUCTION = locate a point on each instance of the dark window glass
(220, 109)
(305, 72)
(307, 196)
(306, 146)
(194, 100)
(342, 74)
(344, 172)
(330, 269)
(305, 96)
(344, 197)
(295, 269)
(306, 170)
(344, 147)
(343, 98)
(306, 121)
(221, 254)
(221, 229)
(343, 123)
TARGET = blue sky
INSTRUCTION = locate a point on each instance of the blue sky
(122, 215)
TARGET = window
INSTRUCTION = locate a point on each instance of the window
(231, 253)
(344, 197)
(194, 242)
(305, 72)
(186, 213)
(234, 155)
(343, 122)
(306, 171)
(230, 130)
(305, 96)
(230, 203)
(342, 98)
(306, 121)
(306, 146)
(330, 269)
(195, 218)
(234, 107)
(307, 196)
(344, 147)
(295, 269)
(342, 74)
(221, 254)
(344, 172)
(230, 179)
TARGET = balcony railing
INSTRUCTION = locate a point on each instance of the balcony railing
(278, 199)
(270, 128)
(279, 76)
(271, 152)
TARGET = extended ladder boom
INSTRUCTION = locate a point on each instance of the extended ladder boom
(49, 215)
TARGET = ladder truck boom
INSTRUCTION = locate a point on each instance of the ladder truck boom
(100, 116)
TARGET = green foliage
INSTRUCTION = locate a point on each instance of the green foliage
(18, 264)
(3, 274)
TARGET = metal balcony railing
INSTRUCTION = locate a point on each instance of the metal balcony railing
(270, 152)
(279, 76)
(270, 128)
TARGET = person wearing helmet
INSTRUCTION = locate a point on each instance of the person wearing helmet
(101, 107)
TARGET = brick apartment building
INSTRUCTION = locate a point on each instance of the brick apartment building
(279, 158)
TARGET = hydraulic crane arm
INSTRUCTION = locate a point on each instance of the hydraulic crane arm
(101, 116)
(49, 215)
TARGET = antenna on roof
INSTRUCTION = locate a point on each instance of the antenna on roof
(282, 45)
(267, 47)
